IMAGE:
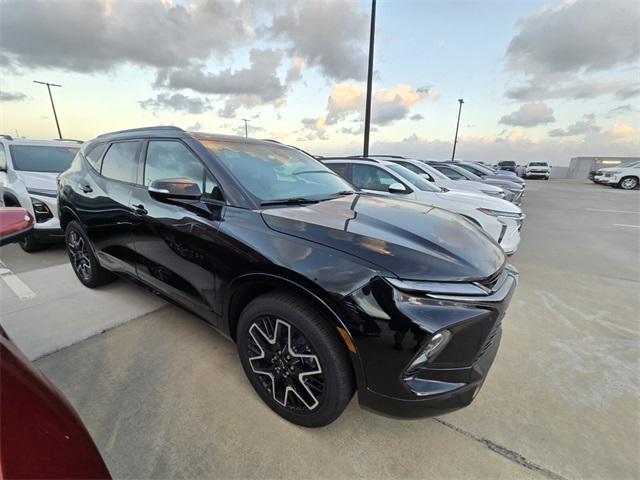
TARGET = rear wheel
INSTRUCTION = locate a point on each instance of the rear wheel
(629, 183)
(83, 261)
(294, 359)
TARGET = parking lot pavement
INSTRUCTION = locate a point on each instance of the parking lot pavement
(45, 308)
(165, 396)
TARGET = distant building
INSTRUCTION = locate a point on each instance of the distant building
(579, 167)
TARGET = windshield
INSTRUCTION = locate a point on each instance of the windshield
(277, 172)
(477, 169)
(413, 178)
(31, 158)
(507, 163)
(538, 164)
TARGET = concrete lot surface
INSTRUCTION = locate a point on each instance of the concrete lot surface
(164, 395)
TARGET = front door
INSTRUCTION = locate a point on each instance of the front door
(175, 241)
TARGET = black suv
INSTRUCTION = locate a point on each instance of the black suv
(324, 289)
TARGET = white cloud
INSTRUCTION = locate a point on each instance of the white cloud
(330, 35)
(576, 36)
(529, 115)
(177, 102)
(98, 35)
(581, 127)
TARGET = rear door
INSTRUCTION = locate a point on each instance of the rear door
(102, 203)
(175, 241)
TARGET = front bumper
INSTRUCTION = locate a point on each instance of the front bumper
(537, 174)
(390, 327)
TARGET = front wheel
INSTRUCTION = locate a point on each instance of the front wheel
(29, 244)
(83, 261)
(629, 183)
(294, 359)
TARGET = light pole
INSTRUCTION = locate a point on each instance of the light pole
(455, 140)
(49, 85)
(367, 115)
(246, 131)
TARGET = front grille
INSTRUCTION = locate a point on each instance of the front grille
(494, 281)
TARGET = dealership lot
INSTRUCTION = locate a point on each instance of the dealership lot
(165, 396)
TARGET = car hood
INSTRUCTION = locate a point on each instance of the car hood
(502, 182)
(453, 201)
(510, 178)
(43, 181)
(411, 240)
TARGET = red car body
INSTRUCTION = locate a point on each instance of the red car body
(41, 435)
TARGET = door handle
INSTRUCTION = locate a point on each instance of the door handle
(140, 210)
(86, 188)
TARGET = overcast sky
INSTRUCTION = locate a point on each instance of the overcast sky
(540, 80)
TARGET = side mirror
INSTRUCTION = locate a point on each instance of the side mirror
(174, 188)
(397, 188)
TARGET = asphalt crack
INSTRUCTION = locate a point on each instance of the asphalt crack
(505, 452)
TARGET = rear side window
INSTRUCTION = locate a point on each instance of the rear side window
(94, 156)
(341, 169)
(172, 159)
(119, 163)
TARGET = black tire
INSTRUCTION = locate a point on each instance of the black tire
(327, 392)
(628, 183)
(29, 244)
(83, 261)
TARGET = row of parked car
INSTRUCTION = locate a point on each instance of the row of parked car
(626, 176)
(382, 275)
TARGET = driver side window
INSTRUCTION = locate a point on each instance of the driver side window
(369, 177)
(172, 159)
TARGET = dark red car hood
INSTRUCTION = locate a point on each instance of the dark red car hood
(411, 240)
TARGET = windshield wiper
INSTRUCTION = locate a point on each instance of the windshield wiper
(289, 201)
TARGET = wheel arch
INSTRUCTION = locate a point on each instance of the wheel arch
(67, 215)
(246, 287)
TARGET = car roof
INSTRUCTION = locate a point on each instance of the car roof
(40, 143)
(171, 131)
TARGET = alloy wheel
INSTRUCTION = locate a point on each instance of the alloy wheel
(286, 364)
(629, 183)
(79, 255)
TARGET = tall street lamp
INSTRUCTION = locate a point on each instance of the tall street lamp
(367, 115)
(49, 85)
(246, 131)
(455, 140)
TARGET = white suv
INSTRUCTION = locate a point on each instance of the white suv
(537, 169)
(28, 173)
(625, 176)
(500, 219)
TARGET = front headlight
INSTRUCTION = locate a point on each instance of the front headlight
(493, 193)
(41, 210)
(499, 213)
(442, 288)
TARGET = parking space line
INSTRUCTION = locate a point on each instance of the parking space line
(610, 211)
(624, 225)
(21, 289)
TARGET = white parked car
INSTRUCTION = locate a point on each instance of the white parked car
(537, 170)
(624, 176)
(440, 179)
(28, 173)
(500, 219)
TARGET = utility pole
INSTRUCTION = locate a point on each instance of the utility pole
(367, 115)
(246, 131)
(455, 140)
(49, 85)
